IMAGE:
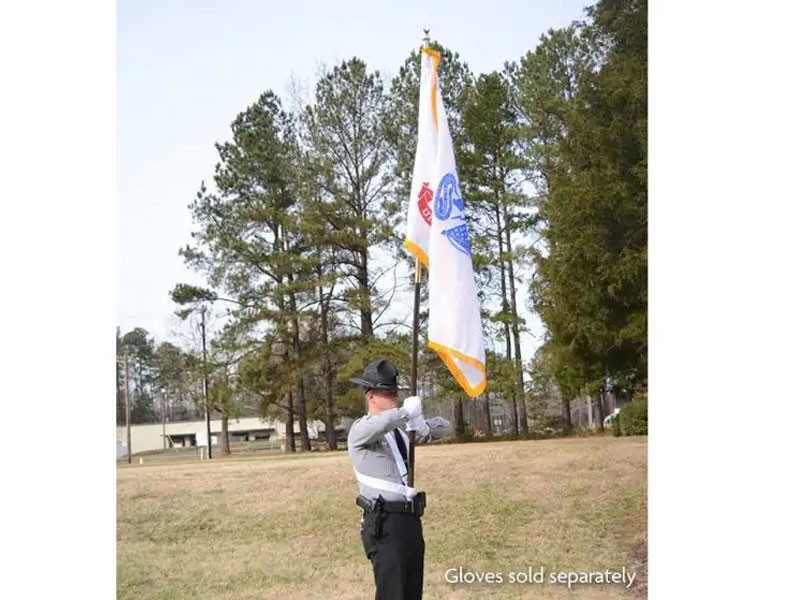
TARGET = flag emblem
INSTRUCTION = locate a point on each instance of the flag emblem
(424, 203)
(448, 197)
(459, 237)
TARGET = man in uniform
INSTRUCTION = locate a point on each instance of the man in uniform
(391, 530)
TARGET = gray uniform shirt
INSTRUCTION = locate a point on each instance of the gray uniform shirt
(372, 455)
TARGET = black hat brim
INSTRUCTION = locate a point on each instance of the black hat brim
(372, 386)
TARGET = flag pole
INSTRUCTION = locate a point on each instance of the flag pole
(412, 435)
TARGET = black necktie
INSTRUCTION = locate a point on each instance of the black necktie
(401, 445)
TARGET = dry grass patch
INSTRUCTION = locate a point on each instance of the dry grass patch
(287, 526)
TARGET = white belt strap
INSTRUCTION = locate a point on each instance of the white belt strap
(386, 486)
(390, 486)
(398, 458)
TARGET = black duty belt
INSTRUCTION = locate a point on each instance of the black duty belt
(414, 507)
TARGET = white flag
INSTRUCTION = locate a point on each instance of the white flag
(454, 328)
(420, 206)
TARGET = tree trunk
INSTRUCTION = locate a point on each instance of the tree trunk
(504, 297)
(294, 335)
(224, 441)
(601, 410)
(458, 414)
(305, 442)
(364, 300)
(330, 409)
(523, 415)
(515, 420)
(488, 413)
(566, 413)
(515, 325)
(225, 408)
(330, 416)
(290, 446)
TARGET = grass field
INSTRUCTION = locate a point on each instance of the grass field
(287, 526)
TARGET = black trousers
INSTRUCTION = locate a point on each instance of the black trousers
(393, 543)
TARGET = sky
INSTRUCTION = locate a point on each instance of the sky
(185, 69)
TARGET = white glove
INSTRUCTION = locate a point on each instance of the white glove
(419, 425)
(413, 407)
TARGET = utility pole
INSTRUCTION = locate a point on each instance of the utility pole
(164, 417)
(205, 378)
(127, 409)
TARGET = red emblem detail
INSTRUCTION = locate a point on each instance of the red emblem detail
(425, 197)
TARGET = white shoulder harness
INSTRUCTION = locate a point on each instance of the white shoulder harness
(390, 486)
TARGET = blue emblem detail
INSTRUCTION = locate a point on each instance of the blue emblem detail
(447, 196)
(459, 237)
